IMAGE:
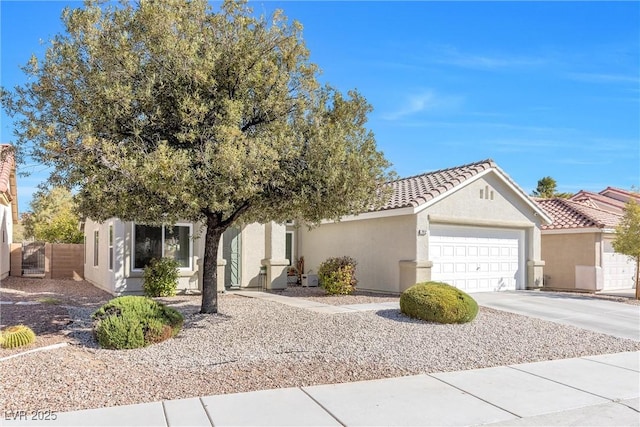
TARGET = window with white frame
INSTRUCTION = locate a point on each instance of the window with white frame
(151, 242)
(110, 246)
(289, 249)
(96, 235)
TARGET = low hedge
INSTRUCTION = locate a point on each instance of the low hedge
(438, 302)
(134, 321)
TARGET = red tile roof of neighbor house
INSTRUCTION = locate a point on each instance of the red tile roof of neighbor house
(568, 214)
(605, 200)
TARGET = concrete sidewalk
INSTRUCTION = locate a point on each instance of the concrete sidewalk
(594, 390)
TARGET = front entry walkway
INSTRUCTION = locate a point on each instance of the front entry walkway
(315, 306)
(608, 317)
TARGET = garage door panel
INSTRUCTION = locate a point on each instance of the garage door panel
(619, 271)
(477, 259)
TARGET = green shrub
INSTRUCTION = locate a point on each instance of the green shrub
(438, 302)
(17, 336)
(338, 275)
(160, 278)
(135, 321)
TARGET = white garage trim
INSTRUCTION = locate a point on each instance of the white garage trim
(477, 259)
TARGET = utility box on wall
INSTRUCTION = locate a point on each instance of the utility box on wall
(309, 280)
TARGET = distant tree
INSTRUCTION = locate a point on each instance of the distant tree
(627, 240)
(18, 232)
(160, 111)
(546, 189)
(53, 217)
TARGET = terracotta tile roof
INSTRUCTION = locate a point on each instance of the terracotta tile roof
(7, 166)
(620, 194)
(568, 214)
(416, 190)
(598, 201)
(419, 189)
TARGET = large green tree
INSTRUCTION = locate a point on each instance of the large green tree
(53, 217)
(627, 240)
(168, 110)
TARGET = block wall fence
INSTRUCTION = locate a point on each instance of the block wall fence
(62, 261)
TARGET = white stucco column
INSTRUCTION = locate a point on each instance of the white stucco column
(535, 274)
(275, 261)
(412, 272)
(535, 265)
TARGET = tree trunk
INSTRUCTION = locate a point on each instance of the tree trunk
(210, 266)
(637, 277)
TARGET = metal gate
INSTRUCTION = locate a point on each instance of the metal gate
(33, 258)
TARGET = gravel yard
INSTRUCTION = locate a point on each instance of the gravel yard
(256, 344)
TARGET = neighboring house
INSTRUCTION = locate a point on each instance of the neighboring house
(8, 207)
(470, 226)
(610, 199)
(577, 246)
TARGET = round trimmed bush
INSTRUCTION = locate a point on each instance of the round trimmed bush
(135, 321)
(438, 302)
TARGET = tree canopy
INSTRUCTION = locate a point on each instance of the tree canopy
(546, 189)
(166, 111)
(627, 240)
(53, 218)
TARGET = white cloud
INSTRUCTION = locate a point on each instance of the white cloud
(422, 102)
(604, 78)
(450, 55)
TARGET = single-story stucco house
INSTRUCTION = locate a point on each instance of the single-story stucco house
(577, 245)
(471, 226)
(8, 207)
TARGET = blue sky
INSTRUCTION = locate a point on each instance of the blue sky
(543, 88)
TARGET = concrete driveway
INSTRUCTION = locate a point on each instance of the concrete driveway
(607, 317)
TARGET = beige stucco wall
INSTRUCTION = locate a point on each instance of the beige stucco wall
(6, 238)
(253, 252)
(506, 207)
(563, 252)
(378, 245)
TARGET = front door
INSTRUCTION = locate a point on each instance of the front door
(232, 245)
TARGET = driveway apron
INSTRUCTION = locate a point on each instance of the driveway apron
(607, 317)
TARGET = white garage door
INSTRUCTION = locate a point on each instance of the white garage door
(618, 270)
(477, 259)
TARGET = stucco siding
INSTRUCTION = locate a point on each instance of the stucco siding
(500, 205)
(253, 252)
(563, 253)
(378, 245)
(98, 274)
(6, 238)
